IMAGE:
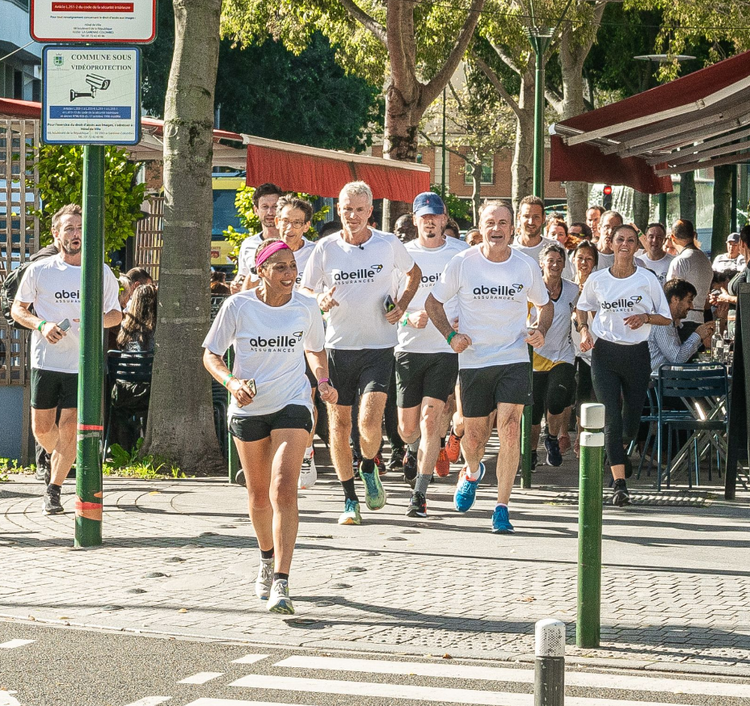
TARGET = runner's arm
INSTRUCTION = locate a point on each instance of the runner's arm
(319, 365)
(413, 278)
(544, 318)
(217, 367)
(20, 312)
(112, 318)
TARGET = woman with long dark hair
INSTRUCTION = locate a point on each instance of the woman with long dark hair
(626, 300)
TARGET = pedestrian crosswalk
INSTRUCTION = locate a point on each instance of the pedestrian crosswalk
(320, 679)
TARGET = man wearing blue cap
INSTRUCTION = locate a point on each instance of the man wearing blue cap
(426, 366)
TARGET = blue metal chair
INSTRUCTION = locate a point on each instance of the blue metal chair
(687, 382)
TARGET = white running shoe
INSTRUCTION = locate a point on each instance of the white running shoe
(308, 473)
(265, 579)
(279, 601)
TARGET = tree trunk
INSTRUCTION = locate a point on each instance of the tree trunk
(688, 199)
(476, 194)
(641, 205)
(523, 154)
(180, 422)
(722, 222)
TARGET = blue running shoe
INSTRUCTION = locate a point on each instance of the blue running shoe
(466, 490)
(500, 522)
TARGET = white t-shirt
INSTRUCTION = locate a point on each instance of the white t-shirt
(432, 262)
(54, 288)
(558, 345)
(535, 251)
(724, 263)
(694, 266)
(493, 304)
(364, 275)
(269, 346)
(301, 257)
(615, 299)
(605, 261)
(659, 267)
(246, 258)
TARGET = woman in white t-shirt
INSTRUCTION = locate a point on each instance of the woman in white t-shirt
(273, 330)
(626, 300)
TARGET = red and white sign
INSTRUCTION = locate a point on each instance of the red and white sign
(131, 21)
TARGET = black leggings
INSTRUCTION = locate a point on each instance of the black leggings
(553, 390)
(620, 374)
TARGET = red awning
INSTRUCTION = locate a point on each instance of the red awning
(323, 172)
(700, 120)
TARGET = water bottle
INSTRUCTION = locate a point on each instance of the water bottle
(717, 347)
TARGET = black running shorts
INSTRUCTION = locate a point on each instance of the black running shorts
(367, 370)
(51, 389)
(293, 416)
(420, 375)
(482, 389)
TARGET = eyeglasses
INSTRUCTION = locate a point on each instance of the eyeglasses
(294, 224)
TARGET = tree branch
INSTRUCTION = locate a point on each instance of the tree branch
(401, 61)
(431, 91)
(439, 145)
(510, 63)
(368, 22)
(497, 84)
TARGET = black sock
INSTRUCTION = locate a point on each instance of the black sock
(368, 465)
(349, 492)
(266, 554)
(52, 485)
(552, 436)
(277, 575)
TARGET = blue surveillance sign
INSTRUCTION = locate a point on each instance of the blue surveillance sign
(91, 96)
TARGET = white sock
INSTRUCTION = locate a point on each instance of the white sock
(500, 505)
(472, 476)
(309, 452)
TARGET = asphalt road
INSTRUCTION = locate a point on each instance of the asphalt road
(57, 666)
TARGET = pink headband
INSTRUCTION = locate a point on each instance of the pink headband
(270, 250)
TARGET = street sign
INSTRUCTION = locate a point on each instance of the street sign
(132, 21)
(91, 96)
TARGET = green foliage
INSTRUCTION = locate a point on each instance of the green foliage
(61, 183)
(128, 464)
(261, 84)
(458, 208)
(251, 223)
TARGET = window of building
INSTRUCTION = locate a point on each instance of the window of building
(488, 171)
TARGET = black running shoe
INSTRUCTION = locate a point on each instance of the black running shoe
(396, 461)
(554, 457)
(620, 494)
(410, 468)
(240, 478)
(534, 460)
(417, 505)
(51, 504)
(43, 471)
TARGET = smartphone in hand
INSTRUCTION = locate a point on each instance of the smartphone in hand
(389, 305)
(64, 325)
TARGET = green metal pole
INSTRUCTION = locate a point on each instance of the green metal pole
(590, 526)
(88, 526)
(663, 210)
(233, 460)
(442, 169)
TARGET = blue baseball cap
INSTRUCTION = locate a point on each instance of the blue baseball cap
(428, 202)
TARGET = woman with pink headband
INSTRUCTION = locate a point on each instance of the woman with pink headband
(273, 329)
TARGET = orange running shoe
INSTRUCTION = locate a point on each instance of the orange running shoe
(453, 447)
(443, 465)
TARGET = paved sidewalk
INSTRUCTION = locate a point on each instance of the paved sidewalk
(178, 558)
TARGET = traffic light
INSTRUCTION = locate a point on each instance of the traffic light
(607, 203)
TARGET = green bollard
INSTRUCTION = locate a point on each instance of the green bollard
(526, 431)
(233, 460)
(88, 522)
(590, 526)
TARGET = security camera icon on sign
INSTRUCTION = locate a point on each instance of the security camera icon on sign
(95, 82)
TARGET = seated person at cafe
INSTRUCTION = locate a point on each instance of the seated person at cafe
(664, 341)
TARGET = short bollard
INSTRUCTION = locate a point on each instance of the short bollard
(590, 526)
(549, 666)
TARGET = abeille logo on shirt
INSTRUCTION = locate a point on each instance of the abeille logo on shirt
(430, 279)
(365, 274)
(278, 344)
(64, 296)
(622, 304)
(500, 292)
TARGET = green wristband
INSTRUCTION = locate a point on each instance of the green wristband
(41, 326)
(226, 380)
(450, 336)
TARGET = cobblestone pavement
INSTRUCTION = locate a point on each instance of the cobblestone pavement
(178, 558)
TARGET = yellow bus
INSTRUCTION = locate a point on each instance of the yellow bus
(225, 214)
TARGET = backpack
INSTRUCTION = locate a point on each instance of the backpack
(8, 291)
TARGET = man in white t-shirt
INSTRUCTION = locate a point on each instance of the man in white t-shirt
(53, 286)
(607, 224)
(493, 285)
(529, 239)
(426, 366)
(693, 265)
(355, 274)
(731, 262)
(264, 205)
(653, 256)
(593, 216)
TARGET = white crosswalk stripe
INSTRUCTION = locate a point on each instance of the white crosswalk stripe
(151, 701)
(249, 659)
(12, 644)
(201, 678)
(523, 676)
